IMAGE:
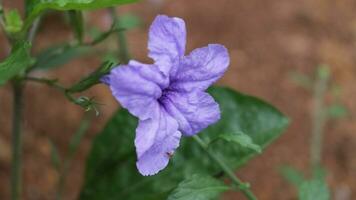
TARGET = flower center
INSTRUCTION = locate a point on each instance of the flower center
(164, 97)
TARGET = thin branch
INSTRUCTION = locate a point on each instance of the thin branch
(244, 187)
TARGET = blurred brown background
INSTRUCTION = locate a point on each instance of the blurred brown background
(267, 41)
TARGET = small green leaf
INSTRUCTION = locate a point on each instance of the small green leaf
(17, 61)
(198, 187)
(91, 79)
(292, 175)
(58, 55)
(323, 72)
(241, 139)
(314, 190)
(77, 23)
(337, 111)
(13, 21)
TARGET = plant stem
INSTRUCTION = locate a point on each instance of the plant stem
(244, 187)
(124, 55)
(318, 118)
(73, 147)
(16, 167)
(33, 30)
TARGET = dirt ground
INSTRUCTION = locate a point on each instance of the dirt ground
(267, 41)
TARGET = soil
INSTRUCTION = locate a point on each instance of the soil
(267, 40)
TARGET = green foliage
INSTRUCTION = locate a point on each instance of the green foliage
(36, 7)
(241, 139)
(92, 79)
(77, 23)
(308, 189)
(198, 187)
(13, 21)
(314, 190)
(58, 55)
(292, 175)
(17, 61)
(337, 111)
(111, 170)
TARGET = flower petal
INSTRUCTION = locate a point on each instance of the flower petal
(137, 87)
(194, 111)
(156, 139)
(166, 42)
(201, 68)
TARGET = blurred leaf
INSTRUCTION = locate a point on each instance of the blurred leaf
(55, 158)
(319, 173)
(111, 167)
(323, 72)
(337, 111)
(128, 21)
(292, 175)
(35, 7)
(77, 23)
(198, 187)
(314, 190)
(302, 80)
(59, 55)
(13, 21)
(18, 60)
(241, 139)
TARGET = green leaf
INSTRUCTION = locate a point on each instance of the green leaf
(241, 139)
(13, 21)
(337, 111)
(92, 79)
(242, 113)
(292, 175)
(36, 7)
(314, 190)
(77, 23)
(111, 171)
(198, 187)
(58, 55)
(17, 61)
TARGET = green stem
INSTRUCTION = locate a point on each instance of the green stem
(73, 147)
(16, 142)
(244, 187)
(124, 54)
(33, 30)
(319, 117)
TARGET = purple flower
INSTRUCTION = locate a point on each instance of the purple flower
(168, 97)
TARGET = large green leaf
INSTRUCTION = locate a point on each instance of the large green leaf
(111, 171)
(198, 187)
(17, 61)
(35, 7)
